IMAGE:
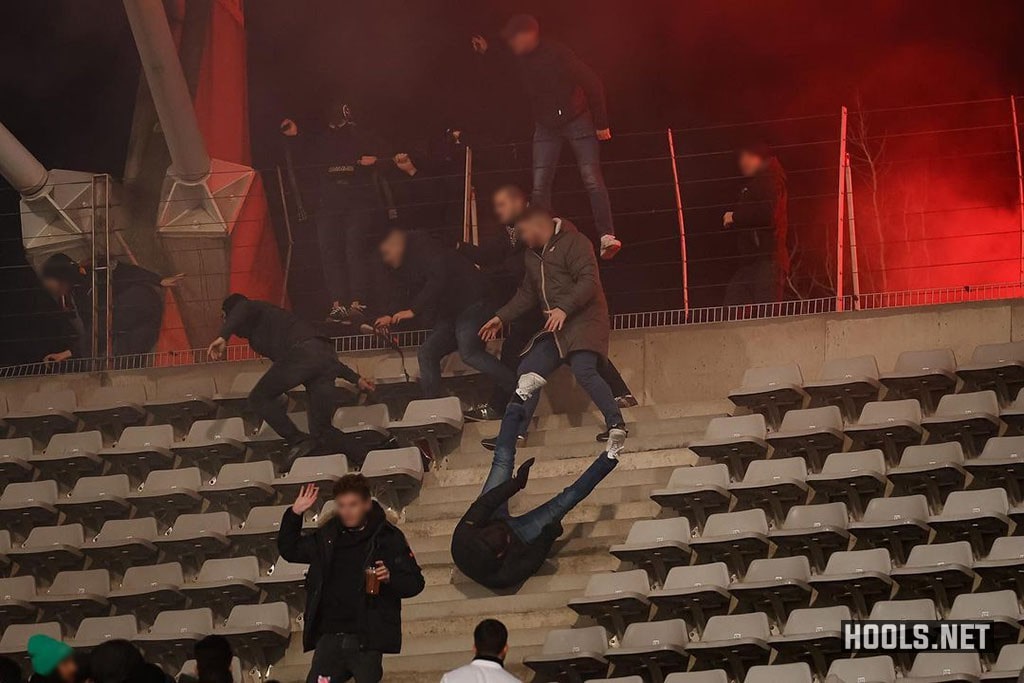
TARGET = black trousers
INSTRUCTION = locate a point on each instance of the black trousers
(311, 363)
(333, 660)
(757, 282)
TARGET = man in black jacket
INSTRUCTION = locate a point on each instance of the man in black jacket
(759, 222)
(299, 356)
(435, 285)
(496, 549)
(360, 570)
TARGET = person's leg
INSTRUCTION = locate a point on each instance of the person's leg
(438, 344)
(547, 148)
(474, 352)
(265, 399)
(504, 461)
(610, 374)
(543, 358)
(328, 660)
(738, 292)
(584, 366)
(587, 149)
(366, 666)
(519, 334)
(357, 226)
(530, 525)
(331, 240)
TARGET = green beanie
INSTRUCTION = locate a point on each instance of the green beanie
(47, 653)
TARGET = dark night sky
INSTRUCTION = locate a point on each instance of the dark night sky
(70, 73)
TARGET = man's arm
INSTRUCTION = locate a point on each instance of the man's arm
(484, 507)
(430, 293)
(523, 301)
(292, 544)
(582, 265)
(591, 84)
(235, 318)
(406, 578)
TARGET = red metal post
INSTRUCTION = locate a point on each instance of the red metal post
(841, 203)
(1020, 181)
(679, 219)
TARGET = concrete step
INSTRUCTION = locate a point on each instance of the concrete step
(488, 605)
(548, 617)
(603, 530)
(580, 563)
(472, 432)
(471, 453)
(564, 547)
(546, 583)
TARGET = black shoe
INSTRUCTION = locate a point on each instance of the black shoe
(492, 443)
(300, 450)
(603, 436)
(482, 413)
(626, 401)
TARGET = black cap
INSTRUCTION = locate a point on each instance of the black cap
(62, 268)
(231, 301)
(520, 23)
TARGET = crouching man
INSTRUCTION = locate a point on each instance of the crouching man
(360, 569)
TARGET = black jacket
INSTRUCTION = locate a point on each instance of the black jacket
(434, 281)
(561, 87)
(476, 560)
(137, 300)
(501, 262)
(760, 218)
(383, 612)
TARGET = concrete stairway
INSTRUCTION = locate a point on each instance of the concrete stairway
(438, 623)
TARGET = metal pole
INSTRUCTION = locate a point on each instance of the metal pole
(288, 230)
(109, 303)
(467, 204)
(679, 220)
(1020, 182)
(22, 170)
(852, 224)
(94, 303)
(841, 202)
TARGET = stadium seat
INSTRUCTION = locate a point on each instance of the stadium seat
(695, 593)
(853, 478)
(168, 493)
(5, 547)
(797, 672)
(979, 517)
(15, 457)
(952, 667)
(114, 408)
(773, 486)
(322, 470)
(733, 642)
(122, 543)
(811, 433)
(17, 596)
(923, 375)
(774, 586)
(14, 642)
(970, 419)
(921, 609)
(140, 450)
(615, 599)
(771, 391)
(933, 470)
(50, 549)
(95, 499)
(1001, 463)
(1013, 415)
(738, 537)
(28, 504)
(897, 523)
(734, 441)
(862, 670)
(241, 486)
(95, 631)
(225, 582)
(942, 571)
(1003, 567)
(714, 676)
(180, 401)
(44, 413)
(655, 647)
(256, 629)
(266, 444)
(285, 582)
(212, 443)
(74, 595)
(571, 654)
(69, 456)
(999, 367)
(174, 633)
(815, 531)
(434, 418)
(889, 426)
(235, 401)
(847, 383)
(856, 578)
(1008, 665)
(999, 607)
(145, 591)
(365, 428)
(696, 492)
(257, 535)
(194, 537)
(656, 545)
(812, 634)
(395, 474)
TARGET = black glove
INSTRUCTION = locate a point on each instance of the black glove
(523, 473)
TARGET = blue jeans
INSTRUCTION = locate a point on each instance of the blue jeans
(460, 334)
(547, 148)
(544, 359)
(528, 526)
(343, 231)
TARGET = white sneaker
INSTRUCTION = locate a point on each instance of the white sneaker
(610, 246)
(529, 384)
(616, 442)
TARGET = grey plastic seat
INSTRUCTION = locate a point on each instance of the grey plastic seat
(1003, 567)
(28, 504)
(122, 543)
(655, 647)
(95, 499)
(17, 594)
(772, 485)
(394, 474)
(771, 391)
(1013, 415)
(936, 667)
(182, 400)
(266, 444)
(734, 441)
(235, 401)
(933, 470)
(811, 433)
(812, 634)
(899, 524)
(713, 676)
(44, 413)
(174, 633)
(225, 582)
(942, 570)
(696, 492)
(734, 642)
(797, 672)
(148, 590)
(322, 470)
(364, 428)
(615, 599)
(970, 419)
(571, 653)
(889, 426)
(863, 670)
(695, 593)
(774, 586)
(853, 478)
(999, 367)
(74, 595)
(923, 375)
(847, 383)
(241, 486)
(999, 607)
(1001, 463)
(434, 418)
(815, 531)
(95, 631)
(195, 537)
(69, 456)
(141, 449)
(1008, 665)
(169, 493)
(738, 537)
(656, 545)
(262, 627)
(979, 517)
(15, 460)
(921, 609)
(14, 642)
(257, 535)
(858, 578)
(285, 582)
(115, 407)
(50, 549)
(212, 443)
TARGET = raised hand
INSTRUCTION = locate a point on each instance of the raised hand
(307, 497)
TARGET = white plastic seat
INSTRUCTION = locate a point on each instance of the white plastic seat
(999, 367)
(15, 460)
(263, 627)
(1001, 463)
(122, 543)
(772, 485)
(815, 531)
(394, 474)
(212, 443)
(654, 647)
(28, 504)
(942, 570)
(738, 537)
(115, 407)
(266, 444)
(148, 590)
(812, 634)
(69, 456)
(14, 642)
(50, 549)
(257, 536)
(713, 676)
(954, 667)
(1003, 567)
(999, 607)
(169, 493)
(978, 517)
(95, 499)
(579, 651)
(774, 586)
(235, 401)
(241, 486)
(696, 593)
(322, 470)
(734, 441)
(853, 478)
(364, 428)
(847, 383)
(174, 633)
(797, 672)
(225, 582)
(656, 545)
(17, 595)
(1013, 415)
(863, 670)
(615, 598)
(811, 433)
(141, 449)
(857, 578)
(180, 401)
(696, 492)
(771, 391)
(933, 470)
(889, 426)
(285, 582)
(74, 595)
(95, 631)
(44, 413)
(970, 419)
(435, 418)
(899, 523)
(194, 537)
(734, 642)
(1008, 665)
(923, 375)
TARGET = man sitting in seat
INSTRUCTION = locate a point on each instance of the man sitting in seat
(300, 356)
(498, 550)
